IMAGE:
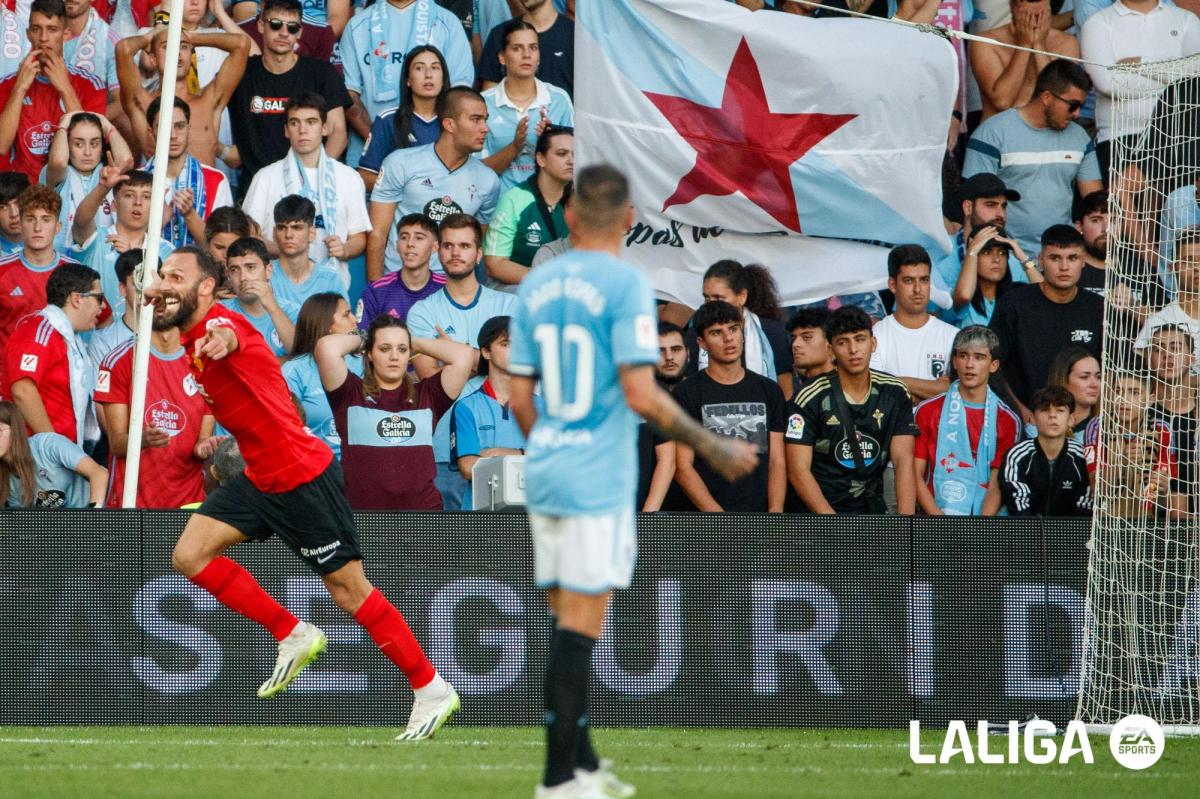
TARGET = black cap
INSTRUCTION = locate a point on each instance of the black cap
(985, 184)
(491, 330)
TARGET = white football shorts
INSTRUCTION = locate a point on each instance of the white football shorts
(586, 554)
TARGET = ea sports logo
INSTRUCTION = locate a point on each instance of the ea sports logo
(1136, 742)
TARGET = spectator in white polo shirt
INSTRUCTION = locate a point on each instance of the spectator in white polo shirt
(1132, 32)
(1038, 150)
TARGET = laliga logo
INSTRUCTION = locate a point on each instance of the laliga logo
(1136, 742)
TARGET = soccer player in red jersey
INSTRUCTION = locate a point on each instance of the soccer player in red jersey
(23, 274)
(47, 371)
(43, 89)
(177, 429)
(292, 487)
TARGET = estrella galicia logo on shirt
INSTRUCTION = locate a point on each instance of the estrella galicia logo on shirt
(267, 105)
(439, 209)
(167, 417)
(38, 138)
(50, 499)
(396, 426)
(845, 456)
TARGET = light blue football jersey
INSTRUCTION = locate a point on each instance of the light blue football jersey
(369, 42)
(324, 277)
(264, 324)
(419, 183)
(503, 118)
(578, 318)
(58, 484)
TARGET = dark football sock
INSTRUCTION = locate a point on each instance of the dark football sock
(567, 674)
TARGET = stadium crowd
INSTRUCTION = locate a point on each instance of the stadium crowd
(421, 152)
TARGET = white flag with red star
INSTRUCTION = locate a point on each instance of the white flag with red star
(802, 144)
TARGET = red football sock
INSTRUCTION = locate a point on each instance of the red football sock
(390, 632)
(234, 588)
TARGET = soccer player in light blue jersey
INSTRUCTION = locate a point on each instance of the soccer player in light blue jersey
(584, 324)
(435, 180)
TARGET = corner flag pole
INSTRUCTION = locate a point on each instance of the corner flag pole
(158, 188)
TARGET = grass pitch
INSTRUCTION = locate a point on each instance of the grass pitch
(361, 763)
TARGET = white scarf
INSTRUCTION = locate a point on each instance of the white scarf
(83, 376)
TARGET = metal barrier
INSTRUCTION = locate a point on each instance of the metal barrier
(733, 620)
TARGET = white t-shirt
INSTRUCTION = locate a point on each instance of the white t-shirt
(923, 353)
(268, 188)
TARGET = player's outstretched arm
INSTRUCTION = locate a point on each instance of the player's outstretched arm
(731, 457)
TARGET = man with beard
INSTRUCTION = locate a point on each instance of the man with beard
(292, 487)
(1039, 150)
(177, 428)
(985, 200)
(460, 309)
(656, 455)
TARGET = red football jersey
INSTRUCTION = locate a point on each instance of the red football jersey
(22, 290)
(248, 396)
(41, 112)
(37, 351)
(929, 417)
(169, 476)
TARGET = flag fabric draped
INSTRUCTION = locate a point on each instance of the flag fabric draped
(802, 144)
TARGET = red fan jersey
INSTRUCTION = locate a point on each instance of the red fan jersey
(248, 396)
(22, 292)
(41, 111)
(36, 351)
(169, 476)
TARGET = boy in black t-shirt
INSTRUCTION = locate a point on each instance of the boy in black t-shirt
(846, 425)
(730, 400)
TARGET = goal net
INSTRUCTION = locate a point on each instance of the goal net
(1143, 598)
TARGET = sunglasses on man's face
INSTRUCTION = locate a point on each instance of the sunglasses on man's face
(1072, 105)
(292, 27)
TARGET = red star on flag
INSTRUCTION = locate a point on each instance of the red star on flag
(744, 146)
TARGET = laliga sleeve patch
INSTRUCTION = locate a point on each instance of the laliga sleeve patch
(218, 321)
(795, 427)
(29, 363)
(645, 333)
(103, 381)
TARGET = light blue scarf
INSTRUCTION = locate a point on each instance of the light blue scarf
(960, 482)
(385, 71)
(295, 181)
(190, 177)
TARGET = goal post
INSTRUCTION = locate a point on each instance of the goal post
(1142, 620)
(158, 190)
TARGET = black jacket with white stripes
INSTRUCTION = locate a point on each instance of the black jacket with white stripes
(1033, 486)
